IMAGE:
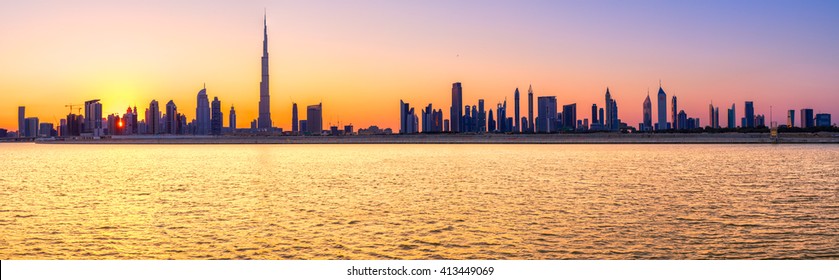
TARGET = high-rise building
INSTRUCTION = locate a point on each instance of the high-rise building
(608, 121)
(294, 126)
(170, 125)
(517, 124)
(732, 117)
(264, 121)
(93, 117)
(648, 114)
(457, 106)
(823, 120)
(482, 117)
(153, 118)
(807, 118)
(216, 118)
(546, 121)
(791, 118)
(202, 113)
(594, 118)
(21, 121)
(406, 118)
(674, 106)
(750, 114)
(32, 126)
(662, 110)
(530, 126)
(569, 117)
(314, 119)
(714, 116)
(232, 124)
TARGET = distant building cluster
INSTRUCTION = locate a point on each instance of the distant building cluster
(548, 119)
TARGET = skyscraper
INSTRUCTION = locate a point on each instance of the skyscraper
(457, 106)
(170, 125)
(674, 107)
(93, 117)
(713, 118)
(546, 121)
(217, 119)
(294, 122)
(648, 114)
(750, 114)
(530, 109)
(732, 117)
(314, 119)
(21, 121)
(608, 120)
(153, 118)
(232, 117)
(569, 117)
(264, 121)
(594, 118)
(517, 120)
(807, 118)
(791, 118)
(404, 109)
(662, 110)
(482, 117)
(202, 113)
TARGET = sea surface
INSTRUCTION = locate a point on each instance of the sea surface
(419, 201)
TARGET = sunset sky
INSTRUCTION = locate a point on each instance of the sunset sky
(361, 57)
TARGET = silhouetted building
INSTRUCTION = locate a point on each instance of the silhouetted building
(530, 125)
(823, 120)
(32, 127)
(264, 122)
(232, 124)
(807, 118)
(750, 114)
(407, 119)
(791, 118)
(21, 121)
(647, 125)
(314, 118)
(170, 125)
(732, 117)
(517, 117)
(674, 105)
(662, 110)
(569, 117)
(202, 113)
(457, 106)
(491, 123)
(546, 121)
(304, 126)
(294, 126)
(760, 121)
(482, 117)
(153, 118)
(714, 116)
(93, 117)
(216, 117)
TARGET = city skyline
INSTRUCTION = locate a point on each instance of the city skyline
(376, 106)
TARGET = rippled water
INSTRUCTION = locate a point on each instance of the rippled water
(419, 201)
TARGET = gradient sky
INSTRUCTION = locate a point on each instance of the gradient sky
(361, 57)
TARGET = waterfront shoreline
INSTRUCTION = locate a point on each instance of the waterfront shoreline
(593, 138)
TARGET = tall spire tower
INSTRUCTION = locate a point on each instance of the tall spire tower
(264, 121)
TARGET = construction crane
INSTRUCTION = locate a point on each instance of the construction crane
(79, 106)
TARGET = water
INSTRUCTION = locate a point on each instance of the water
(419, 201)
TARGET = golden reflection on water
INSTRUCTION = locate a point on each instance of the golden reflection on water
(419, 201)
